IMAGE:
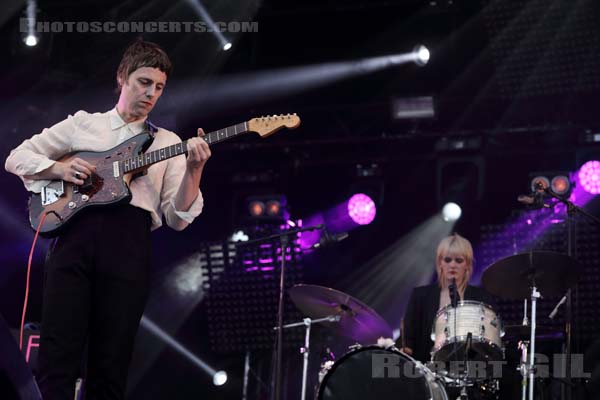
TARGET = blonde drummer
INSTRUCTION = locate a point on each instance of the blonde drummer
(454, 263)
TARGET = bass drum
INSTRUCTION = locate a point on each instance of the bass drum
(376, 373)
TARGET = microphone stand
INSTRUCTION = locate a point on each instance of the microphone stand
(571, 210)
(284, 241)
(307, 322)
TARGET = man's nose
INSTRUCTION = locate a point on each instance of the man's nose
(150, 90)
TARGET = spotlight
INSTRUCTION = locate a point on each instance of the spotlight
(589, 176)
(539, 183)
(273, 208)
(558, 182)
(31, 40)
(421, 54)
(451, 212)
(361, 208)
(256, 208)
(561, 185)
(219, 378)
(239, 236)
(227, 46)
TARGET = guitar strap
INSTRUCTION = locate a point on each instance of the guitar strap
(150, 130)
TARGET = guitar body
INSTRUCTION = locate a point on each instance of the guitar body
(61, 201)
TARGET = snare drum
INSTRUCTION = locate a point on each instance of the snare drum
(452, 326)
(374, 372)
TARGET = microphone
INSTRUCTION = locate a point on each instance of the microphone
(328, 239)
(453, 293)
(534, 200)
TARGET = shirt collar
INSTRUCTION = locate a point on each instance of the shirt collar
(116, 122)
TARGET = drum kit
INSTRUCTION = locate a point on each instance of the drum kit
(472, 332)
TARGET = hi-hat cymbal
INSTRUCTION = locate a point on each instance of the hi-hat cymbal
(512, 277)
(357, 320)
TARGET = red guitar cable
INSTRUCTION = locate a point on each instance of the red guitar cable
(37, 232)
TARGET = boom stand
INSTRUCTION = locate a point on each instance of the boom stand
(571, 210)
(306, 349)
(284, 241)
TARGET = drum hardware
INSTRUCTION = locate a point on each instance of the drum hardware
(305, 350)
(351, 317)
(523, 368)
(550, 272)
(284, 240)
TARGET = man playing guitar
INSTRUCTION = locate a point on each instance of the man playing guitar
(97, 273)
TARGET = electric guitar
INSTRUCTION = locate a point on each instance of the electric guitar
(116, 167)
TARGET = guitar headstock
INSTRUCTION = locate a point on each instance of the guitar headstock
(270, 124)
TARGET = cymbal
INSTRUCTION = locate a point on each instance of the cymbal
(523, 332)
(512, 277)
(357, 320)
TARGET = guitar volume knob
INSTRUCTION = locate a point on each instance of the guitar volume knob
(85, 197)
(72, 204)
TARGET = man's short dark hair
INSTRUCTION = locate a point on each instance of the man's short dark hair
(142, 54)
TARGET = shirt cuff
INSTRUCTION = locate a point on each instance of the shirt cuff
(36, 185)
(194, 210)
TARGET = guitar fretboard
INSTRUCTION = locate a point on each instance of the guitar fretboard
(149, 158)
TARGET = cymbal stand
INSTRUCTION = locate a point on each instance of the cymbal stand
(523, 347)
(523, 368)
(307, 322)
(534, 296)
(571, 210)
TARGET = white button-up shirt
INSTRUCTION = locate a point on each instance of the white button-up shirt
(154, 192)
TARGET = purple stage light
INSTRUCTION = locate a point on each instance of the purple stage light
(589, 176)
(361, 208)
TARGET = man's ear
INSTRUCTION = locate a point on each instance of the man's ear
(120, 81)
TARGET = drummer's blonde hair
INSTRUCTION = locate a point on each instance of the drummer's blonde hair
(459, 246)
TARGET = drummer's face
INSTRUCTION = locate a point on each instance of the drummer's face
(454, 266)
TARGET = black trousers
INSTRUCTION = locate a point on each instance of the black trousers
(95, 288)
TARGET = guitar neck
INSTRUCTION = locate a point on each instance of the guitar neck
(152, 157)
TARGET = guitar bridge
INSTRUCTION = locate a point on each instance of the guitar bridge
(52, 192)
